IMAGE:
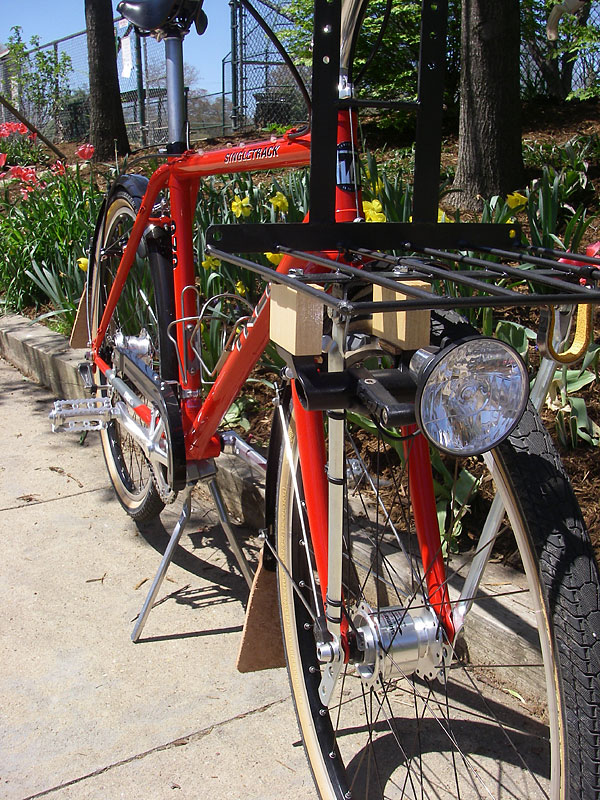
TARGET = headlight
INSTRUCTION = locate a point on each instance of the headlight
(470, 395)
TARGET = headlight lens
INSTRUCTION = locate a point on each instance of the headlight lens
(470, 395)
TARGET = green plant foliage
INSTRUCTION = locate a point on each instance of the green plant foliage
(399, 48)
(551, 208)
(572, 423)
(456, 491)
(237, 200)
(62, 283)
(40, 78)
(518, 336)
(45, 218)
(555, 61)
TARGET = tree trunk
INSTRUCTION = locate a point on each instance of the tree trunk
(490, 160)
(107, 125)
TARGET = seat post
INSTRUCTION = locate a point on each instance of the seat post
(175, 94)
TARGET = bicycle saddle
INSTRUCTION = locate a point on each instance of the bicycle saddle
(151, 15)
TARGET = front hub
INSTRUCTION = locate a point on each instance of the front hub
(396, 642)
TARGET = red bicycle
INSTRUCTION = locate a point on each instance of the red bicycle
(415, 673)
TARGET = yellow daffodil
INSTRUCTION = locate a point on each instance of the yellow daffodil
(280, 202)
(240, 288)
(376, 185)
(442, 216)
(516, 200)
(241, 207)
(274, 258)
(210, 262)
(374, 211)
(82, 263)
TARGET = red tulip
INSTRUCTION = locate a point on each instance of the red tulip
(591, 251)
(85, 151)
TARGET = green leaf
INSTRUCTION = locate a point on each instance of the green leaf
(516, 335)
(575, 380)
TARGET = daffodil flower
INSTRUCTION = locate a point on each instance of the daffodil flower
(376, 185)
(280, 202)
(210, 262)
(374, 211)
(274, 258)
(82, 263)
(516, 200)
(241, 207)
(240, 288)
(442, 216)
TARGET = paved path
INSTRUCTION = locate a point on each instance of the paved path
(86, 714)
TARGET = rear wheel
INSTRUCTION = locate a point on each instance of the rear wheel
(509, 709)
(139, 322)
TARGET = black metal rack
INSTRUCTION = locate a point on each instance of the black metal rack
(541, 280)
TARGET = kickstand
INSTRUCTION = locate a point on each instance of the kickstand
(174, 541)
(226, 525)
(164, 564)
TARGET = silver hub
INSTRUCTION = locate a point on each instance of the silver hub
(139, 346)
(395, 642)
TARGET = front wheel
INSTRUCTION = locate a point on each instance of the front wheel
(507, 710)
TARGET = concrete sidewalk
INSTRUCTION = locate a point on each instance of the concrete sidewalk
(86, 713)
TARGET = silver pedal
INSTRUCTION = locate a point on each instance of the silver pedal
(87, 414)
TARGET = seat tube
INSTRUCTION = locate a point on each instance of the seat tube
(175, 93)
(182, 210)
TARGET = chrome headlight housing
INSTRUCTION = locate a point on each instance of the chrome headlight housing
(470, 395)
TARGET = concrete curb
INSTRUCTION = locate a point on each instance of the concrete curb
(42, 355)
(46, 358)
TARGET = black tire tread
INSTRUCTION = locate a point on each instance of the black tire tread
(572, 586)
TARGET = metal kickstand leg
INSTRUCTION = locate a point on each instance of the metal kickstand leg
(164, 564)
(226, 525)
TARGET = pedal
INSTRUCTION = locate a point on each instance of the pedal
(87, 414)
(85, 372)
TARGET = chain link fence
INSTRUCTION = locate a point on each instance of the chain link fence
(49, 84)
(549, 71)
(264, 93)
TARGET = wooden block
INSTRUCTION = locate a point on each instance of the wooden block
(409, 329)
(79, 334)
(296, 321)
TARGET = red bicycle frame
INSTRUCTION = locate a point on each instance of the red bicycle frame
(201, 418)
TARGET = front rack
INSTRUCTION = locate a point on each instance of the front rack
(485, 276)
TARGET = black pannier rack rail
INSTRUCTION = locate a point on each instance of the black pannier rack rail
(479, 259)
